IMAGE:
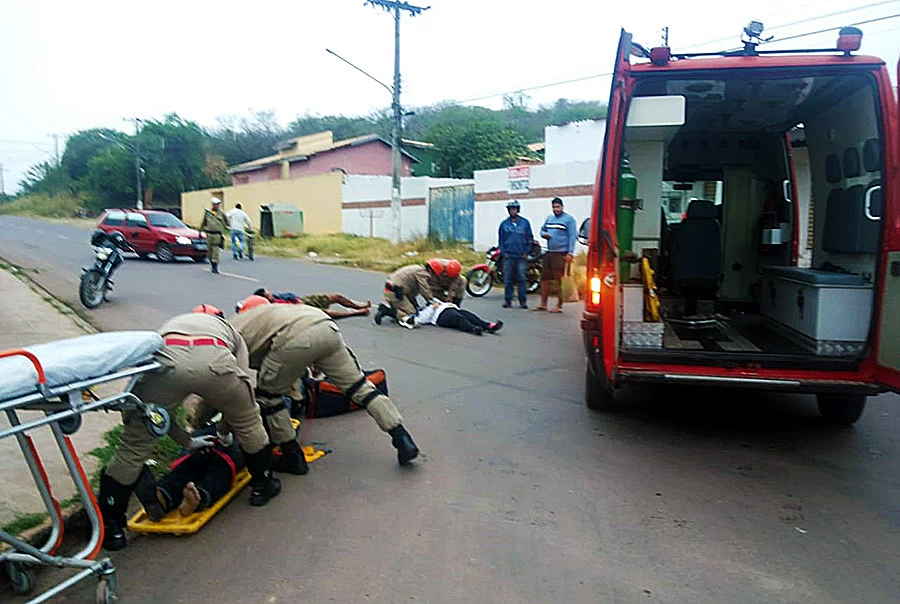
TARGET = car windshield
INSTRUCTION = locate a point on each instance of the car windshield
(165, 220)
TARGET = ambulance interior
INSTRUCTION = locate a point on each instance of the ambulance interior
(725, 167)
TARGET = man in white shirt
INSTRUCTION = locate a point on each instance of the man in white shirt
(240, 223)
(451, 316)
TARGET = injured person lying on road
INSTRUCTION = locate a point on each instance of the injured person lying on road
(322, 301)
(451, 316)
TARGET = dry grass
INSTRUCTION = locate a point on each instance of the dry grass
(363, 252)
(47, 206)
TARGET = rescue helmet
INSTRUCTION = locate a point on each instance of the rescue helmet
(216, 201)
(454, 268)
(250, 302)
(208, 309)
(436, 266)
(513, 204)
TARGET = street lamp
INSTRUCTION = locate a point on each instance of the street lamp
(137, 164)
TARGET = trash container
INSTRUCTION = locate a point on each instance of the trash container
(280, 220)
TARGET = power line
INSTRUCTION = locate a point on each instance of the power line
(828, 29)
(802, 21)
(606, 74)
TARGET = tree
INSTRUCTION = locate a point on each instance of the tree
(84, 145)
(46, 178)
(479, 144)
(241, 138)
(111, 179)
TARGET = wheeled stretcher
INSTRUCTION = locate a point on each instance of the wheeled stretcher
(56, 378)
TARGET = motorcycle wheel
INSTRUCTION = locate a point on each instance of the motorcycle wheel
(479, 282)
(92, 289)
(533, 278)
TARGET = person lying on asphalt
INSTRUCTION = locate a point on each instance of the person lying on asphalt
(323, 301)
(451, 316)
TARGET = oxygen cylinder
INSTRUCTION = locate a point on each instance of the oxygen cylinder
(626, 207)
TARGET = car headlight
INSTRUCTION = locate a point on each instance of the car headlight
(182, 240)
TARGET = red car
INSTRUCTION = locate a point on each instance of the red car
(156, 232)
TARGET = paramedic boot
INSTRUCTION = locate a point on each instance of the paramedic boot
(384, 311)
(215, 268)
(292, 460)
(263, 486)
(403, 442)
(113, 502)
(150, 496)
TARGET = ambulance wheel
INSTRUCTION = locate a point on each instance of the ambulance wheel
(21, 578)
(106, 592)
(841, 409)
(597, 396)
(70, 425)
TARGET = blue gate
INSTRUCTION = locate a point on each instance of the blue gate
(451, 213)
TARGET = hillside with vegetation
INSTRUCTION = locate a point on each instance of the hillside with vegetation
(97, 167)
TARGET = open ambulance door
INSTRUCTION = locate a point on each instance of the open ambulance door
(608, 186)
(888, 342)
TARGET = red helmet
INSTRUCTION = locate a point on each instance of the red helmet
(436, 266)
(454, 268)
(208, 309)
(251, 302)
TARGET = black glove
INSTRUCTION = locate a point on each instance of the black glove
(222, 242)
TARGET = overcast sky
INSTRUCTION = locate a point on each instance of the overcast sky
(69, 66)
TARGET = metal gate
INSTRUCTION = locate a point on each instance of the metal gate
(451, 213)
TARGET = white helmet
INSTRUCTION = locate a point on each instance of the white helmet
(216, 200)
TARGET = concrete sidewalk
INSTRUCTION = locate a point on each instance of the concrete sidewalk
(31, 316)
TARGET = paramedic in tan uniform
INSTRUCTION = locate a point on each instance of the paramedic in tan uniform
(285, 339)
(202, 354)
(446, 276)
(401, 289)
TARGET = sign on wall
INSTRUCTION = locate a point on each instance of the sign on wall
(517, 179)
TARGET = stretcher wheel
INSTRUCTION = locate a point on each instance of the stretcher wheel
(106, 591)
(157, 420)
(21, 578)
(70, 425)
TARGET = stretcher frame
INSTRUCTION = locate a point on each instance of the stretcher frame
(63, 407)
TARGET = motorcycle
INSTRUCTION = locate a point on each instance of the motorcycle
(482, 277)
(96, 281)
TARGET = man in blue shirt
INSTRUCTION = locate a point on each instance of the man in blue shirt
(560, 231)
(515, 239)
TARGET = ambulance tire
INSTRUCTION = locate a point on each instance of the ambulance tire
(597, 395)
(841, 409)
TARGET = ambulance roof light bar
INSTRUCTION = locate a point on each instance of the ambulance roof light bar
(849, 40)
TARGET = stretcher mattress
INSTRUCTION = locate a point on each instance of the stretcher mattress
(76, 359)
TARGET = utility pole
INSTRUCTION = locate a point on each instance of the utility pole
(396, 212)
(137, 160)
(56, 147)
(2, 187)
(665, 36)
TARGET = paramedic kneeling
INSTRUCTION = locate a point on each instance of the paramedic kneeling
(284, 340)
(202, 354)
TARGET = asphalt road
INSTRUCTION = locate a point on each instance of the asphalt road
(521, 494)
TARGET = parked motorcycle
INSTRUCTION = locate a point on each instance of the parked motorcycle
(96, 281)
(482, 277)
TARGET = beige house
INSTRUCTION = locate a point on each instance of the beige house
(318, 196)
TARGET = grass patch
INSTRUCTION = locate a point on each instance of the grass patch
(363, 252)
(47, 206)
(165, 450)
(24, 522)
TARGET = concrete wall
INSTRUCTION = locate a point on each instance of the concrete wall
(318, 196)
(371, 158)
(573, 182)
(577, 141)
(366, 207)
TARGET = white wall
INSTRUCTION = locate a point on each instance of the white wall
(359, 189)
(536, 204)
(576, 141)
